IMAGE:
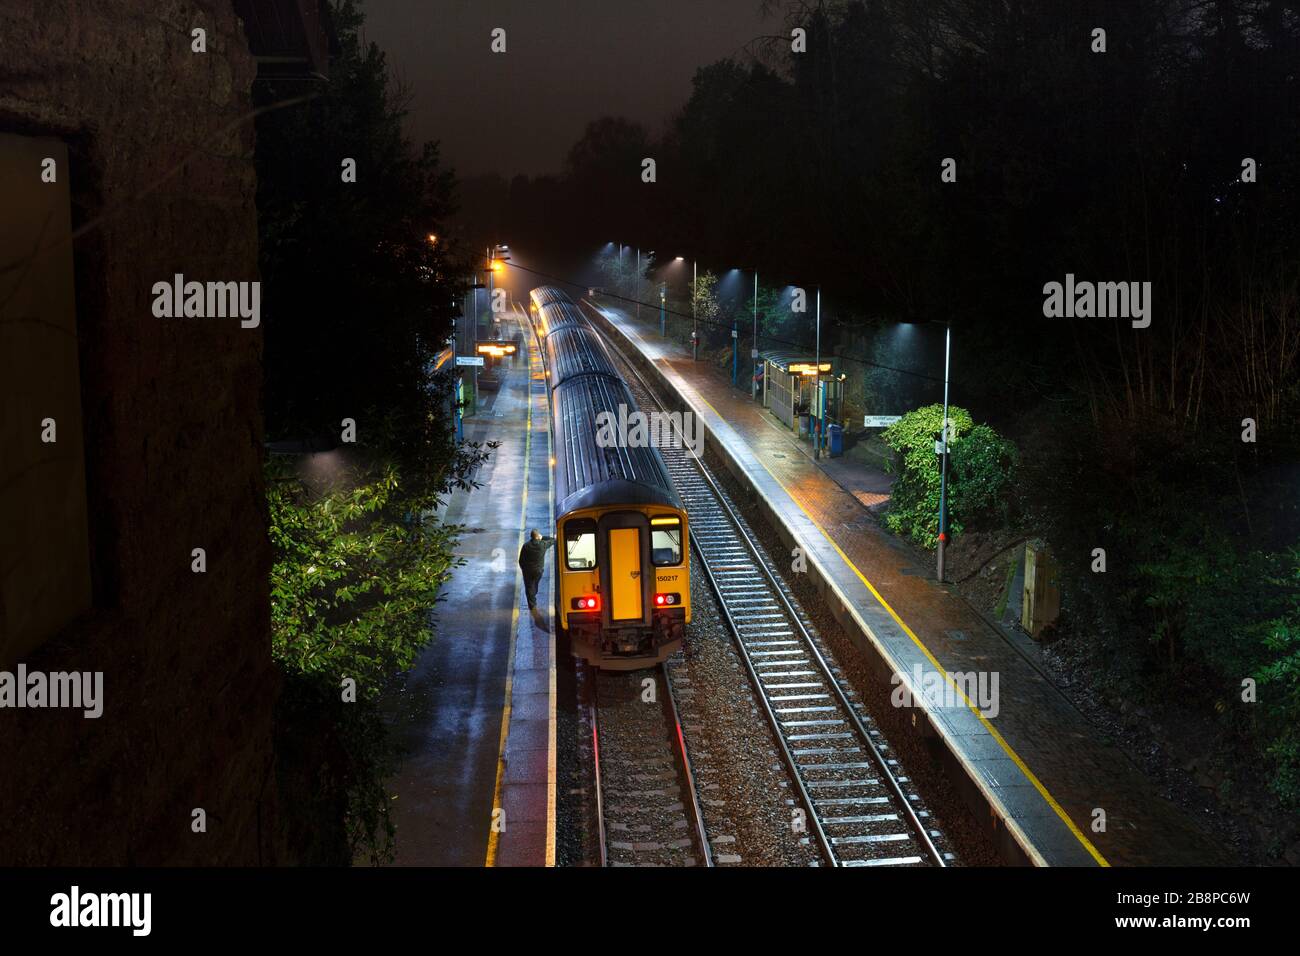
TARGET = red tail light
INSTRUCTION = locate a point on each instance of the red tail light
(588, 602)
(668, 600)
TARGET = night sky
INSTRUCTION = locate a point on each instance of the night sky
(567, 62)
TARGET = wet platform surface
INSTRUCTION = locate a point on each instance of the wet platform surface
(1038, 763)
(468, 794)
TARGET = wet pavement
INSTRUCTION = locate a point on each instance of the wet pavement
(467, 794)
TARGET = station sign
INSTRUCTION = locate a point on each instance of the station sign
(495, 349)
(879, 421)
(469, 360)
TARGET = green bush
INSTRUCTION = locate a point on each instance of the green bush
(981, 465)
(1279, 684)
(981, 468)
(1214, 613)
(356, 570)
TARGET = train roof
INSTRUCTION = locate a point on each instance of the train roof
(559, 315)
(577, 350)
(588, 475)
(547, 294)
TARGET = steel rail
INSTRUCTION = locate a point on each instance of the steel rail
(700, 472)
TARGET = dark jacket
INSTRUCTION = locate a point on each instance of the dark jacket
(532, 556)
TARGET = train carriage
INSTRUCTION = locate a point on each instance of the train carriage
(622, 562)
(552, 310)
(576, 350)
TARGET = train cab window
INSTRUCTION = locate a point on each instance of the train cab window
(580, 545)
(666, 541)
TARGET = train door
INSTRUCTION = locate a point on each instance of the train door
(625, 574)
(626, 547)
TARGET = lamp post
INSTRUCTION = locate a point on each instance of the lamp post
(663, 293)
(496, 254)
(735, 350)
(817, 377)
(753, 358)
(943, 464)
(636, 285)
(462, 330)
(490, 290)
(695, 327)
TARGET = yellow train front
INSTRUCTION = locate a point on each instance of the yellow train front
(622, 564)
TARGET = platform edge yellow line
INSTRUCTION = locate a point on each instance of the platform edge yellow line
(1006, 747)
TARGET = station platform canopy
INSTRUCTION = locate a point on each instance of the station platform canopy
(795, 363)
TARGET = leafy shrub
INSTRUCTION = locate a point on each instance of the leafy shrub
(357, 568)
(1279, 682)
(981, 465)
(1214, 613)
(980, 470)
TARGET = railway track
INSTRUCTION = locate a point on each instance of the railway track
(859, 810)
(647, 808)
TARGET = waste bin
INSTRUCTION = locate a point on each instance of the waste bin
(836, 435)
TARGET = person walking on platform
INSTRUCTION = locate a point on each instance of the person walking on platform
(532, 562)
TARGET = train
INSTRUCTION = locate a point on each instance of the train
(622, 556)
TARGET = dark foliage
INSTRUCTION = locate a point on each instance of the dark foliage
(358, 303)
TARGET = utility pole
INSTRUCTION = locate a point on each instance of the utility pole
(636, 286)
(943, 464)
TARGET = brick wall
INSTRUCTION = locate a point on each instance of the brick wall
(163, 182)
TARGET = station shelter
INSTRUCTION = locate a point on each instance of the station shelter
(790, 381)
(494, 352)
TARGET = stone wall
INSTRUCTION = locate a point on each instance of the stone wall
(161, 149)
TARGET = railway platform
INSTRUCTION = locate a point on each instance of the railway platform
(1051, 790)
(475, 717)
